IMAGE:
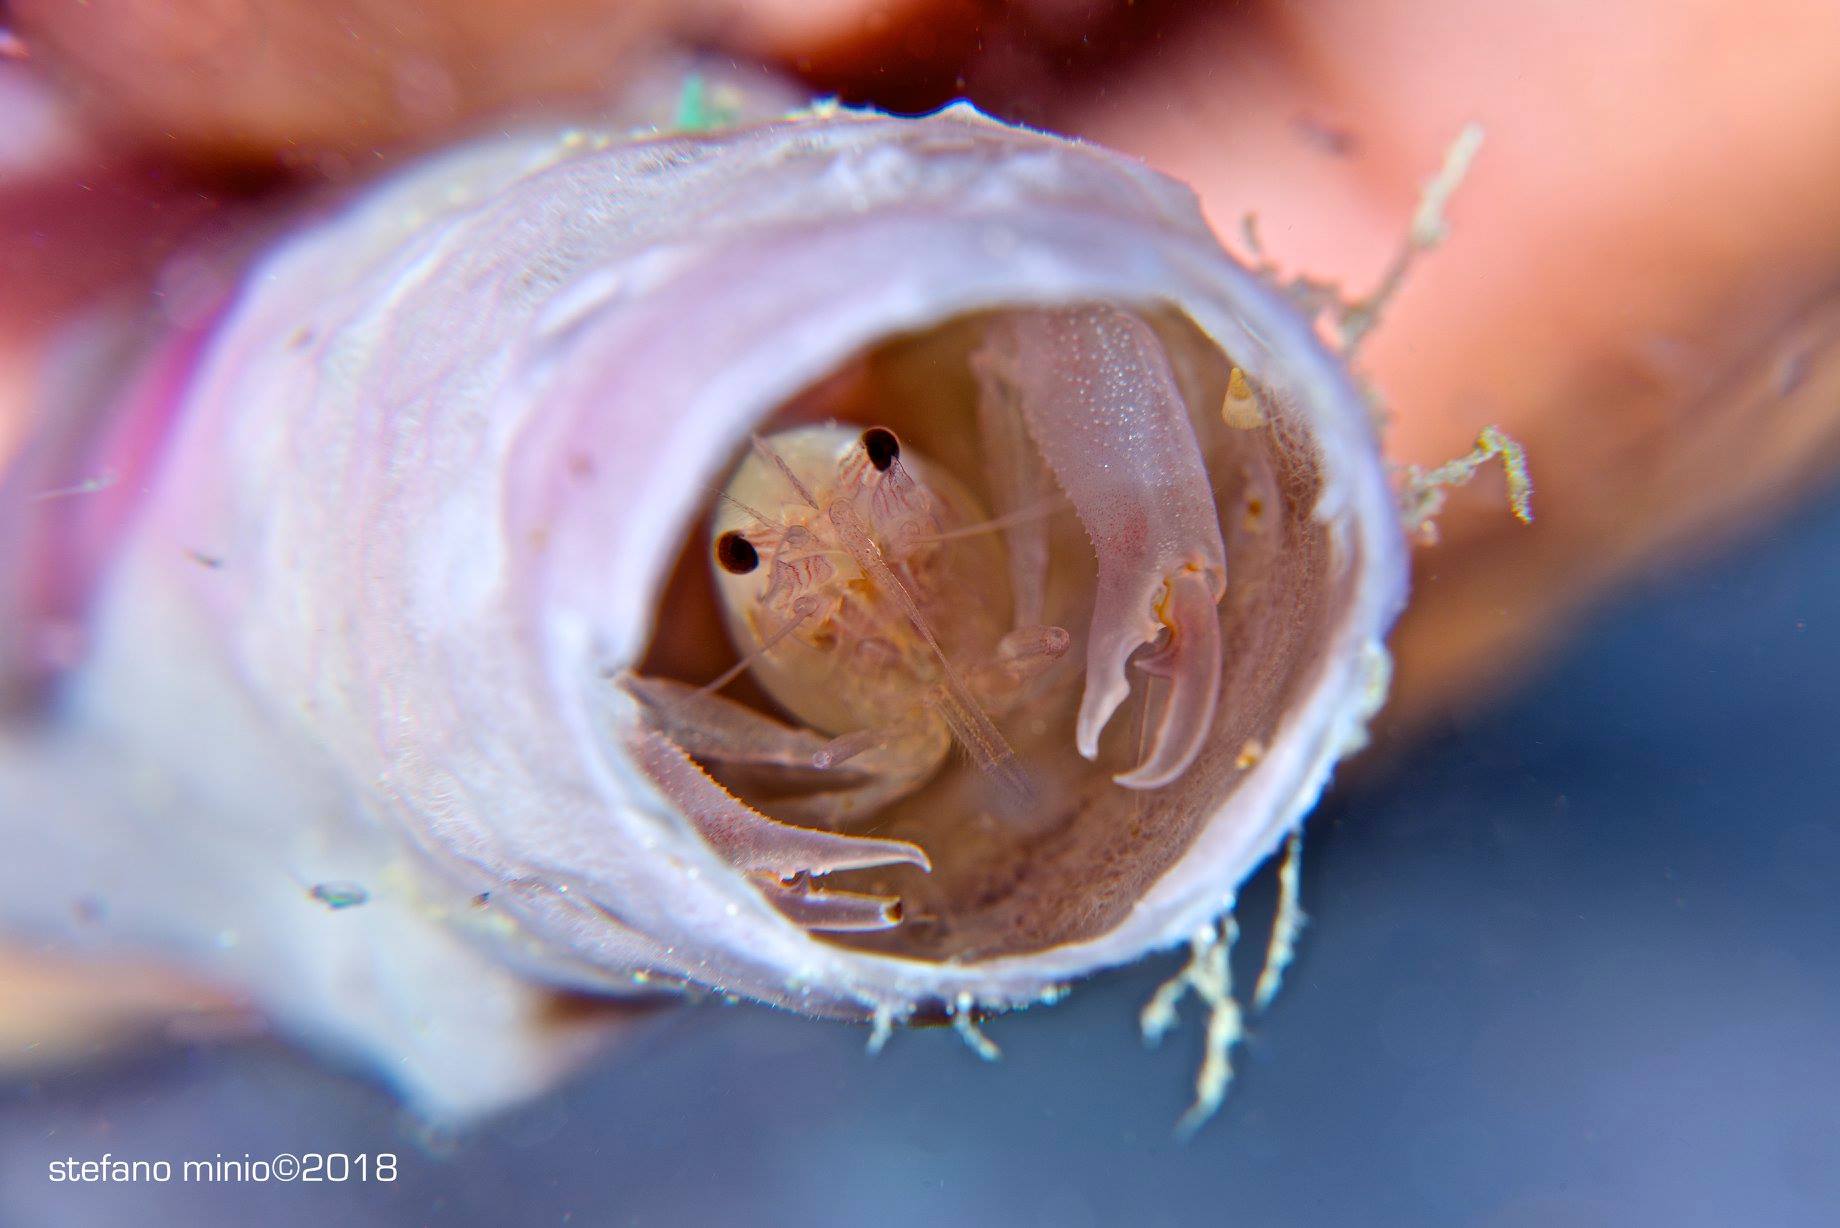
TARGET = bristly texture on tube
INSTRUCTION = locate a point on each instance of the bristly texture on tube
(885, 568)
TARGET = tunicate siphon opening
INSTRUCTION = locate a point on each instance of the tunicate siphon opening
(1031, 843)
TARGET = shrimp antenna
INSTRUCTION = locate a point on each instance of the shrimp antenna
(756, 513)
(802, 609)
(767, 452)
(1037, 511)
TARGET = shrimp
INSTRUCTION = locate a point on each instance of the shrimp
(873, 599)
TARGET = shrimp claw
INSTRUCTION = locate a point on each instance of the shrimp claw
(1094, 387)
(1191, 660)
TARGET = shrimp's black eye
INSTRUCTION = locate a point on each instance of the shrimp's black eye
(736, 553)
(881, 445)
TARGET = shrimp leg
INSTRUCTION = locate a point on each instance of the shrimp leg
(873, 767)
(782, 859)
(710, 727)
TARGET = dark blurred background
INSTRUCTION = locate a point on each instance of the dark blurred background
(1570, 963)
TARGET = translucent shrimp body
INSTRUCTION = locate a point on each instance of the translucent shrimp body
(865, 590)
